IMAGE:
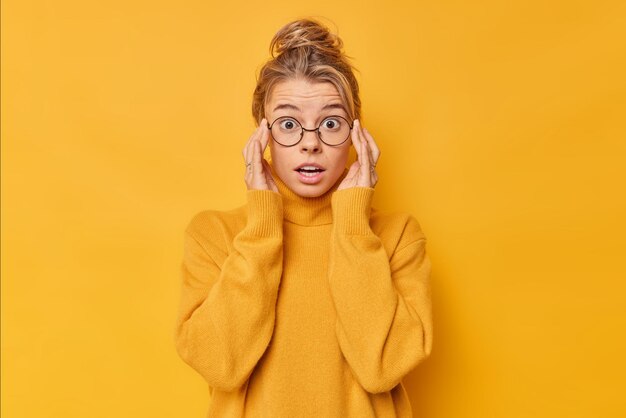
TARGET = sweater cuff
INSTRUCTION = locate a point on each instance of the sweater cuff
(351, 210)
(265, 213)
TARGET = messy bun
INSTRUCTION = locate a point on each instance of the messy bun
(306, 34)
(306, 48)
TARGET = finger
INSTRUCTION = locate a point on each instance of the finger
(249, 142)
(248, 152)
(250, 146)
(355, 134)
(355, 139)
(246, 148)
(368, 148)
(251, 163)
(372, 145)
(244, 151)
(257, 164)
(363, 142)
(365, 165)
(368, 169)
(264, 135)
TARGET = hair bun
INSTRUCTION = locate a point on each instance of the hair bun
(306, 33)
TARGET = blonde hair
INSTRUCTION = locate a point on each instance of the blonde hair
(306, 48)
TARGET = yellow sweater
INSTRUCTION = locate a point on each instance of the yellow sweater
(296, 307)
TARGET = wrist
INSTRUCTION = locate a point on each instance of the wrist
(352, 209)
(265, 212)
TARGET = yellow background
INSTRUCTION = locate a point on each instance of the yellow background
(502, 129)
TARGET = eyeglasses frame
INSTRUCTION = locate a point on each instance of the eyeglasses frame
(319, 134)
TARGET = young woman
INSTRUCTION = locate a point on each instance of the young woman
(306, 301)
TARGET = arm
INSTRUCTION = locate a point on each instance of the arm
(226, 314)
(383, 304)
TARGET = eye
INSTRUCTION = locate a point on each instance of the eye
(332, 124)
(288, 124)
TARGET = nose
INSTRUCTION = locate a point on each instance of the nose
(310, 142)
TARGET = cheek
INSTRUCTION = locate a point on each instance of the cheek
(342, 156)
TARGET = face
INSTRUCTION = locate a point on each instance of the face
(309, 103)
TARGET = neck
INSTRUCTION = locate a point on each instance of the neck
(306, 210)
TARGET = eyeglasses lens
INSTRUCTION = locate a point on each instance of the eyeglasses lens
(333, 130)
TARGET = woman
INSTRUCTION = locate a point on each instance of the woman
(306, 301)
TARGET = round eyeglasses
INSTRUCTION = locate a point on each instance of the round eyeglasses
(332, 131)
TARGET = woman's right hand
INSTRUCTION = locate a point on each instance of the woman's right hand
(258, 173)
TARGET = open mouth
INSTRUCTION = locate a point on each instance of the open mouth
(309, 171)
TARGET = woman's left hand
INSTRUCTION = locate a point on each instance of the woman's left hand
(362, 172)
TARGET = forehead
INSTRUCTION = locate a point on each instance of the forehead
(304, 94)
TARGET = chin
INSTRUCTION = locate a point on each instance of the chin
(314, 190)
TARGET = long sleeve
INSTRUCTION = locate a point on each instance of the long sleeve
(383, 303)
(227, 312)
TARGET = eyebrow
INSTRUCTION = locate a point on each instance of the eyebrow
(328, 106)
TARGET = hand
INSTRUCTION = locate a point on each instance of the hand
(362, 172)
(258, 173)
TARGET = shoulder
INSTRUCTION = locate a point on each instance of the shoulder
(396, 229)
(214, 229)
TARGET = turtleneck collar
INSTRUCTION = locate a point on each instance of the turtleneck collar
(308, 211)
